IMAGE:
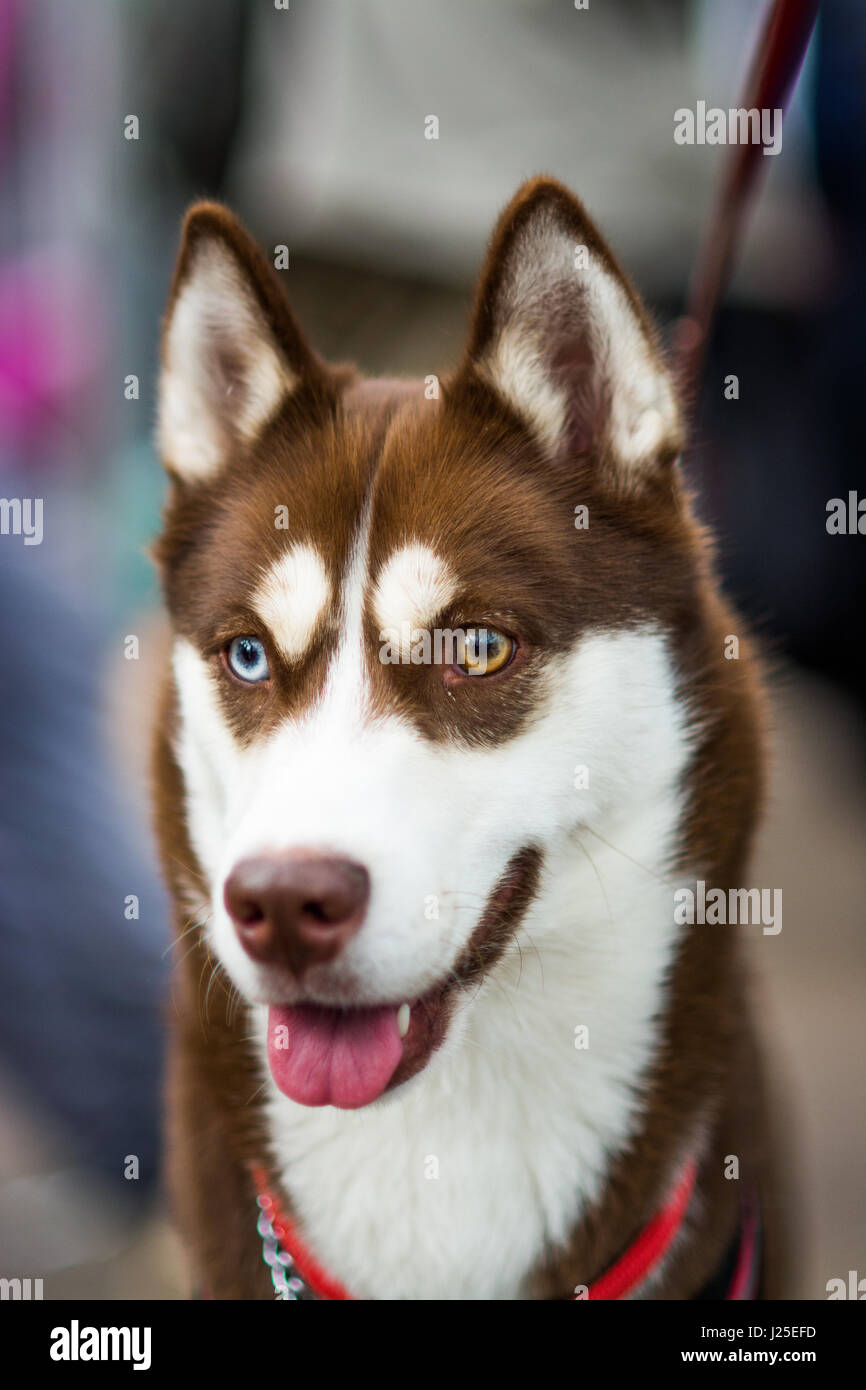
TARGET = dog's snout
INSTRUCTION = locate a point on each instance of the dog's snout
(296, 910)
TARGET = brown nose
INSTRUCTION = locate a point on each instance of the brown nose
(296, 910)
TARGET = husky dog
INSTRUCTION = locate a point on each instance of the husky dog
(435, 1007)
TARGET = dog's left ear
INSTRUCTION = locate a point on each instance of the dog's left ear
(561, 336)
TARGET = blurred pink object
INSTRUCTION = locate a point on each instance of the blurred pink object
(52, 342)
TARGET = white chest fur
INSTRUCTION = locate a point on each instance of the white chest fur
(453, 1187)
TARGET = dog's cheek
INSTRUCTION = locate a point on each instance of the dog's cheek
(215, 770)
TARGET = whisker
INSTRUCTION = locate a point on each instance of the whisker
(256, 1092)
(196, 926)
(660, 878)
(582, 846)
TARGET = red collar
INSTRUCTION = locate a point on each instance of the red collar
(296, 1272)
(644, 1256)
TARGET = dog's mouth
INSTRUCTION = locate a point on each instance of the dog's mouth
(349, 1057)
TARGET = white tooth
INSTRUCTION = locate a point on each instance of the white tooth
(403, 1020)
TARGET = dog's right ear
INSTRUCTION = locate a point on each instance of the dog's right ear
(231, 350)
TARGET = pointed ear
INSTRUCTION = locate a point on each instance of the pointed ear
(231, 350)
(561, 336)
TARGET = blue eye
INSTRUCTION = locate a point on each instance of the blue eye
(247, 659)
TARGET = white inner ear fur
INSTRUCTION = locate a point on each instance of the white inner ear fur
(517, 368)
(548, 299)
(293, 597)
(414, 586)
(197, 417)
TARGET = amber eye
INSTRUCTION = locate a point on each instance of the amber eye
(481, 651)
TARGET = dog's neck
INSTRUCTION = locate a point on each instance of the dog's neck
(456, 1185)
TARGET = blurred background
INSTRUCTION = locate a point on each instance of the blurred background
(310, 121)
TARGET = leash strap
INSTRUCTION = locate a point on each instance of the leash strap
(747, 1275)
(776, 64)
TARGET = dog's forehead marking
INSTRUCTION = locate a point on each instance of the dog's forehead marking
(344, 696)
(414, 585)
(293, 598)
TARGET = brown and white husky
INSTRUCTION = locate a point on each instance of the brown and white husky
(452, 721)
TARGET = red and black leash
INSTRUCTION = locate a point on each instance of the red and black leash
(775, 67)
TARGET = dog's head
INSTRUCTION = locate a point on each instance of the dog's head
(422, 632)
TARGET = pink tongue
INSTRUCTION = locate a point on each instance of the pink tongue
(342, 1057)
